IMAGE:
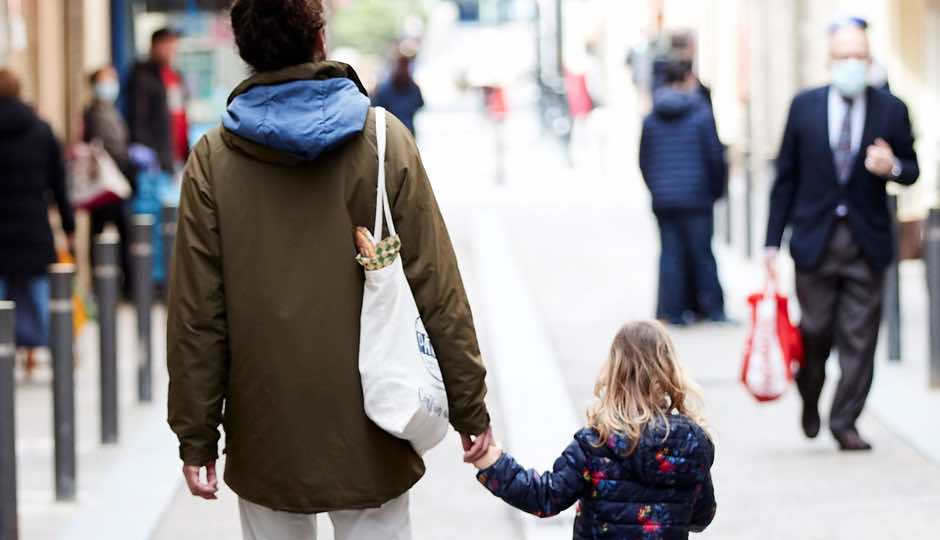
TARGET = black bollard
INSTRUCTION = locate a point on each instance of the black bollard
(107, 285)
(932, 259)
(142, 262)
(168, 218)
(892, 301)
(9, 530)
(63, 379)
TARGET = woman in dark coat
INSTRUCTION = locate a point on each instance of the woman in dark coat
(32, 167)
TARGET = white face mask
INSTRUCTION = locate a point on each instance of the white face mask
(107, 91)
(850, 76)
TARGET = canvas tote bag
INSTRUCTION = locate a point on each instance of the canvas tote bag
(402, 384)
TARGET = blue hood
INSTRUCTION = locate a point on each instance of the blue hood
(303, 118)
(669, 103)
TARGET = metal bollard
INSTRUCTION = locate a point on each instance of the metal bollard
(168, 216)
(932, 259)
(107, 285)
(142, 262)
(63, 379)
(892, 300)
(9, 529)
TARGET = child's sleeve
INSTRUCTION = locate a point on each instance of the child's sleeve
(703, 505)
(544, 494)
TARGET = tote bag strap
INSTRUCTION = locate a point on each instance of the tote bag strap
(382, 205)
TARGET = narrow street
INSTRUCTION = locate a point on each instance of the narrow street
(586, 248)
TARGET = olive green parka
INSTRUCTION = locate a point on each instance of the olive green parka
(264, 306)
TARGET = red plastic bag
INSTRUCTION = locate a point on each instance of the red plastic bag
(774, 349)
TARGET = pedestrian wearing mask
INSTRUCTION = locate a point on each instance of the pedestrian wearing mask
(103, 122)
(842, 144)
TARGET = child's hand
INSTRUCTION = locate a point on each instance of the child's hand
(491, 456)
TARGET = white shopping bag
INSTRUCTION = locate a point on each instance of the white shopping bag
(402, 384)
(95, 179)
(774, 348)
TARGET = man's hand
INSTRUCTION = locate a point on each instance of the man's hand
(879, 158)
(770, 261)
(474, 448)
(208, 489)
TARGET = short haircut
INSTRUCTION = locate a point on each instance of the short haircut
(163, 34)
(275, 34)
(9, 84)
(855, 22)
(677, 71)
(93, 76)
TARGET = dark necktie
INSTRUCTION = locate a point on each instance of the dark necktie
(844, 156)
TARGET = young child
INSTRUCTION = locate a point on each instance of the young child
(641, 469)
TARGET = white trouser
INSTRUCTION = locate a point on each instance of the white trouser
(391, 521)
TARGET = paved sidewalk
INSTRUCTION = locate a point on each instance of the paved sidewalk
(40, 515)
(771, 482)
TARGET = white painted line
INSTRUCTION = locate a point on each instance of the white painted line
(128, 502)
(540, 414)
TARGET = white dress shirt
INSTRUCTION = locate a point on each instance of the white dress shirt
(837, 112)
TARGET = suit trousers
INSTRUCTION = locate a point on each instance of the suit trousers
(391, 521)
(841, 303)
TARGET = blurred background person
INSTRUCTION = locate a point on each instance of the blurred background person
(399, 93)
(683, 165)
(843, 142)
(103, 122)
(156, 98)
(32, 163)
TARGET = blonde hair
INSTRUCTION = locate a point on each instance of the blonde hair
(641, 382)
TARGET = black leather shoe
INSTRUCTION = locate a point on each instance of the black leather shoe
(810, 420)
(850, 441)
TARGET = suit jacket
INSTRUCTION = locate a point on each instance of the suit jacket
(807, 192)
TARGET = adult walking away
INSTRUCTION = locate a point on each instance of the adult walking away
(266, 295)
(683, 164)
(104, 123)
(157, 102)
(32, 164)
(399, 93)
(842, 144)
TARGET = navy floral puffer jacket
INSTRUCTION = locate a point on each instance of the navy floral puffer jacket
(662, 491)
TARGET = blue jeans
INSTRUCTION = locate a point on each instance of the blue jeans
(31, 294)
(686, 262)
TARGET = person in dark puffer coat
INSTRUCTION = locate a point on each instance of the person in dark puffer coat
(683, 164)
(653, 484)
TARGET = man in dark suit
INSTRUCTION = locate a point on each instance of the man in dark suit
(842, 144)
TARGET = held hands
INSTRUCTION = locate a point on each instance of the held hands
(208, 489)
(482, 451)
(879, 158)
(490, 457)
(474, 448)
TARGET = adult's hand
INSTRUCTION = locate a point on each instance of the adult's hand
(770, 261)
(879, 158)
(474, 448)
(208, 489)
